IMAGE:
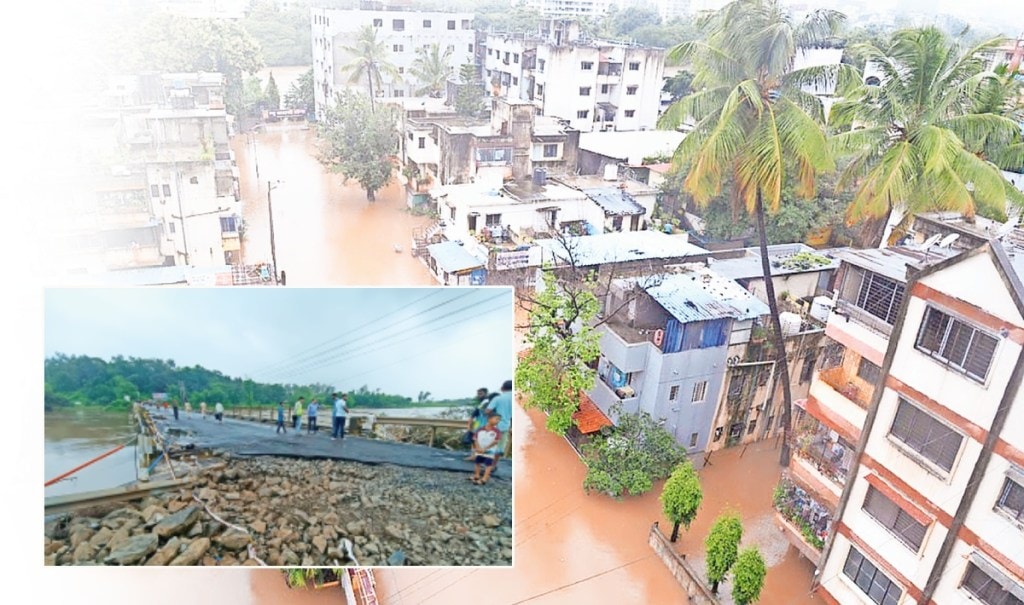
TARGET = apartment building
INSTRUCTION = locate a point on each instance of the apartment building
(160, 186)
(591, 84)
(569, 8)
(907, 484)
(403, 32)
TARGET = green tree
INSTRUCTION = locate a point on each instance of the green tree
(721, 547)
(681, 497)
(622, 23)
(915, 144)
(748, 576)
(253, 98)
(300, 95)
(284, 35)
(629, 458)
(562, 342)
(469, 99)
(272, 95)
(371, 61)
(754, 124)
(431, 68)
(679, 85)
(359, 143)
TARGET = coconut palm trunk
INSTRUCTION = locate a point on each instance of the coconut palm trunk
(778, 339)
(373, 101)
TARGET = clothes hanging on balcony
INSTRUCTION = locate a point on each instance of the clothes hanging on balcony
(617, 377)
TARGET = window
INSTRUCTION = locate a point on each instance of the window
(957, 344)
(422, 143)
(515, 81)
(426, 47)
(378, 22)
(870, 579)
(751, 426)
(988, 589)
(926, 435)
(469, 47)
(700, 391)
(194, 180)
(167, 190)
(506, 57)
(540, 64)
(582, 114)
(586, 65)
(894, 518)
(451, 25)
(604, 89)
(228, 224)
(490, 52)
(426, 24)
(540, 90)
(398, 25)
(693, 439)
(399, 93)
(718, 433)
(630, 113)
(451, 48)
(397, 48)
(172, 227)
(401, 70)
(673, 393)
(1011, 500)
(880, 296)
(584, 91)
(154, 190)
(551, 150)
(634, 66)
(493, 220)
(515, 57)
(736, 430)
(466, 24)
(411, 136)
(869, 372)
(832, 355)
(631, 90)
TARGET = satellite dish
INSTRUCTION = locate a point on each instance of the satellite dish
(949, 239)
(1007, 227)
(928, 243)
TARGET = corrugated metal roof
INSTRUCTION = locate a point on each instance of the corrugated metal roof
(748, 266)
(452, 257)
(893, 262)
(702, 295)
(615, 201)
(590, 250)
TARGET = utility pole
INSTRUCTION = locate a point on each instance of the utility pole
(181, 213)
(273, 248)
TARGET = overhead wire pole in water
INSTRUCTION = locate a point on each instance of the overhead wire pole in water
(273, 247)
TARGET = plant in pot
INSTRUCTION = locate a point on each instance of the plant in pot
(315, 577)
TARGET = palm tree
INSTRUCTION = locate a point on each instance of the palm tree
(432, 68)
(753, 125)
(370, 60)
(923, 137)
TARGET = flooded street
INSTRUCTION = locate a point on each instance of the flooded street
(74, 436)
(326, 233)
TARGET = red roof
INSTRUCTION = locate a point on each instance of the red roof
(660, 168)
(589, 418)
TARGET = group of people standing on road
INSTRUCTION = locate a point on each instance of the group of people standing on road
(339, 414)
(488, 430)
(218, 412)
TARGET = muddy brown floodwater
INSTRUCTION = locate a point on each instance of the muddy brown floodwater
(325, 231)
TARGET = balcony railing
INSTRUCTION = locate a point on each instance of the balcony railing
(811, 518)
(832, 458)
(841, 380)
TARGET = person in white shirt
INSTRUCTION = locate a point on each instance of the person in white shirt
(219, 412)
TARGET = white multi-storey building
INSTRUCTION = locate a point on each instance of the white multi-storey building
(403, 32)
(592, 84)
(929, 503)
(569, 8)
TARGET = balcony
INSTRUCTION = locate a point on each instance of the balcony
(843, 382)
(848, 330)
(865, 318)
(605, 397)
(806, 522)
(835, 410)
(822, 459)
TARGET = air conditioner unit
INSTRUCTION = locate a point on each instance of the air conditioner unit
(625, 392)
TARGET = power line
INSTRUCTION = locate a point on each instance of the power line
(582, 580)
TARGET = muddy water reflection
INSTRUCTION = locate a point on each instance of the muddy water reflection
(326, 232)
(72, 437)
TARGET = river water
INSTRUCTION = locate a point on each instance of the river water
(74, 436)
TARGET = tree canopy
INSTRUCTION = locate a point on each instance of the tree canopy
(94, 381)
(272, 94)
(283, 34)
(681, 497)
(469, 99)
(748, 576)
(721, 547)
(300, 94)
(359, 143)
(431, 68)
(370, 62)
(628, 458)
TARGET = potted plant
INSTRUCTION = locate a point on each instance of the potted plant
(317, 577)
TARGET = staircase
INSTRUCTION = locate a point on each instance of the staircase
(424, 236)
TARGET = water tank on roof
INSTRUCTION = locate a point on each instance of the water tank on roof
(790, 322)
(611, 172)
(821, 307)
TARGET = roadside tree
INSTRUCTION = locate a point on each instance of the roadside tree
(627, 459)
(721, 547)
(359, 143)
(748, 576)
(681, 497)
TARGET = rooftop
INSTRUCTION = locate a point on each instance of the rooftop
(632, 147)
(699, 294)
(615, 201)
(584, 182)
(785, 259)
(453, 258)
(893, 262)
(589, 418)
(158, 276)
(589, 250)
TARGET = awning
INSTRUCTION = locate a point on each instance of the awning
(997, 575)
(589, 418)
(453, 258)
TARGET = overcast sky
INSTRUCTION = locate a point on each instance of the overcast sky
(448, 341)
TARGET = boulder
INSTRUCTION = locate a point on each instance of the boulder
(120, 537)
(166, 553)
(84, 553)
(81, 534)
(176, 505)
(320, 543)
(233, 540)
(101, 538)
(133, 550)
(177, 523)
(154, 513)
(258, 526)
(491, 521)
(193, 553)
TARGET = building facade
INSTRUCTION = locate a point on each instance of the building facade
(591, 84)
(402, 31)
(569, 8)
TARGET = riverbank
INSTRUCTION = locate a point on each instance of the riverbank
(296, 512)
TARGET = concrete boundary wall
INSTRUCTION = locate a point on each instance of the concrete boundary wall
(687, 577)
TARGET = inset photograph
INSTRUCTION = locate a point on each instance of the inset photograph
(283, 427)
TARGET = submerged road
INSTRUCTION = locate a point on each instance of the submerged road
(248, 438)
